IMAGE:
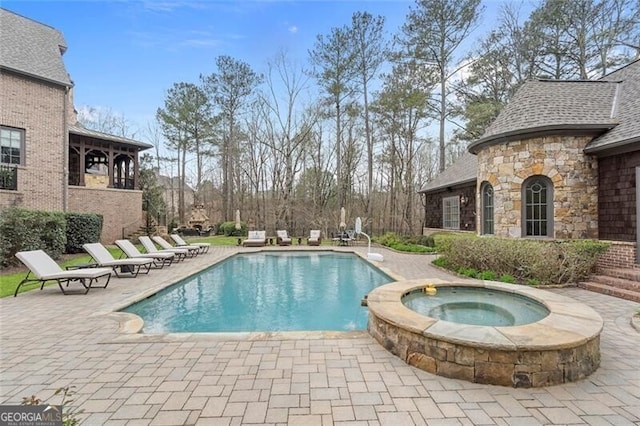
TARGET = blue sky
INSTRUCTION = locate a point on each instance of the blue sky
(124, 55)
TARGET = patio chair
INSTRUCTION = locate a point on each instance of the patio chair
(129, 267)
(282, 239)
(204, 247)
(44, 268)
(255, 239)
(151, 248)
(160, 259)
(164, 244)
(314, 238)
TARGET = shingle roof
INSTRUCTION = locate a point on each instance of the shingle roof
(463, 170)
(551, 105)
(627, 110)
(31, 48)
(82, 131)
(610, 105)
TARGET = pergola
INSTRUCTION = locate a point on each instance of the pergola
(92, 152)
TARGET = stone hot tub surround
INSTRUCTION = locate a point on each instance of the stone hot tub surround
(562, 347)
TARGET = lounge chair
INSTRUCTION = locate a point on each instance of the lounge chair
(164, 244)
(255, 239)
(160, 259)
(282, 238)
(204, 247)
(314, 238)
(130, 267)
(46, 269)
(151, 248)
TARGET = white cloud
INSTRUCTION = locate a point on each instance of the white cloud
(293, 29)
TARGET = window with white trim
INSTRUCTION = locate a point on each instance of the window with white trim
(11, 146)
(451, 212)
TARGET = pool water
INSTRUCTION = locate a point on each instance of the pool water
(288, 291)
(476, 306)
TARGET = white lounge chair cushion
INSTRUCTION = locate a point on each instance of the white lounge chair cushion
(179, 241)
(103, 257)
(45, 268)
(131, 251)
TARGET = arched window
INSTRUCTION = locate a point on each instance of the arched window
(537, 207)
(487, 208)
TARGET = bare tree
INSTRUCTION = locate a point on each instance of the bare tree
(371, 52)
(432, 35)
(334, 58)
(230, 89)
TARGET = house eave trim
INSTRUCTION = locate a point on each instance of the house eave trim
(446, 185)
(619, 147)
(551, 130)
(66, 84)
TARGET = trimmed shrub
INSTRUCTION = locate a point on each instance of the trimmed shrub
(82, 228)
(23, 229)
(406, 244)
(228, 229)
(425, 240)
(545, 262)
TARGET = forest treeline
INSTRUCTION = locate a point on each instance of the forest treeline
(371, 115)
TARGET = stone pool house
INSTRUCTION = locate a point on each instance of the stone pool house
(561, 161)
(48, 160)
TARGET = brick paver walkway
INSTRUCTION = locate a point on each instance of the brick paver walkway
(48, 340)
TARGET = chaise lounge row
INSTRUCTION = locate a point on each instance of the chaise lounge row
(43, 268)
(259, 238)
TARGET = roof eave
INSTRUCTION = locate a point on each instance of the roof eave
(534, 132)
(111, 138)
(448, 184)
(66, 84)
(614, 148)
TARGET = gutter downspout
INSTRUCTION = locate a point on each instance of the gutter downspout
(65, 151)
(638, 215)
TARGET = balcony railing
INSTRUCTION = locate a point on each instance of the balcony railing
(8, 177)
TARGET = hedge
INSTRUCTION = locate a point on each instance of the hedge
(54, 232)
(82, 228)
(543, 262)
(24, 229)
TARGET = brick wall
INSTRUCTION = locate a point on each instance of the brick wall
(620, 255)
(38, 109)
(617, 195)
(118, 207)
(433, 207)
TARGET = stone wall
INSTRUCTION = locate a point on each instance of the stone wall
(617, 194)
(119, 208)
(560, 158)
(39, 109)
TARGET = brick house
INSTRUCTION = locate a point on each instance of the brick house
(562, 160)
(48, 160)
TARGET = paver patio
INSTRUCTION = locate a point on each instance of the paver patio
(48, 340)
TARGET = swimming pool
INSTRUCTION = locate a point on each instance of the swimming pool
(267, 291)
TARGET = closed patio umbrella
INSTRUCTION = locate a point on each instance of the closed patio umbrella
(343, 218)
(238, 224)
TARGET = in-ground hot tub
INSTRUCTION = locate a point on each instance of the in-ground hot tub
(563, 346)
